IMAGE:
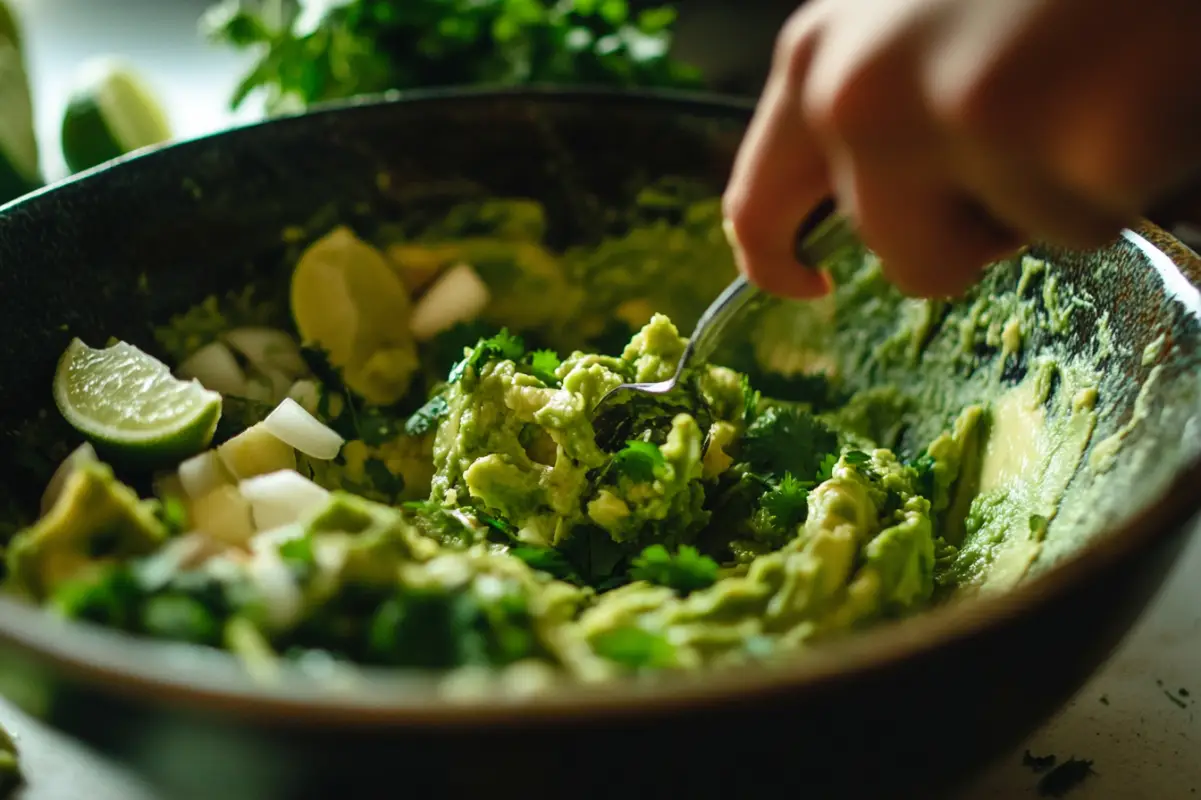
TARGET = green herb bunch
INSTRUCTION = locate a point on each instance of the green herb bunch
(320, 50)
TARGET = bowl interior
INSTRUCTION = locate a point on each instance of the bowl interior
(114, 252)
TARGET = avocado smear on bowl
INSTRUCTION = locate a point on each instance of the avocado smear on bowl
(408, 470)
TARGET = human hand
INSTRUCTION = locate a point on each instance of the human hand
(952, 132)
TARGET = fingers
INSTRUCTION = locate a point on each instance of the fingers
(931, 241)
(1024, 198)
(778, 177)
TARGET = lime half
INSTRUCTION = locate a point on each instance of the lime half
(19, 171)
(110, 113)
(128, 404)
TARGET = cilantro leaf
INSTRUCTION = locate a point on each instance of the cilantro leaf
(826, 470)
(548, 560)
(635, 648)
(786, 505)
(543, 364)
(857, 458)
(504, 346)
(787, 440)
(498, 524)
(297, 554)
(685, 572)
(924, 466)
(750, 401)
(426, 418)
(447, 348)
(639, 461)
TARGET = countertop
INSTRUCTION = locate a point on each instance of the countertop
(1138, 721)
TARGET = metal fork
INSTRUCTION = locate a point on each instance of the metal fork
(822, 236)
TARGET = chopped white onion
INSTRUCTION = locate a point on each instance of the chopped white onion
(268, 349)
(281, 498)
(274, 537)
(307, 394)
(256, 451)
(79, 456)
(282, 600)
(290, 423)
(215, 366)
(223, 514)
(457, 296)
(202, 473)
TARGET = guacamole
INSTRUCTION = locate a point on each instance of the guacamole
(478, 510)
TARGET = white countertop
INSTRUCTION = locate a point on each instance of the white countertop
(1141, 732)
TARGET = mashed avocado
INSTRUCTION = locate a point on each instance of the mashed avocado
(483, 512)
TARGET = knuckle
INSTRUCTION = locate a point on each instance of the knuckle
(794, 43)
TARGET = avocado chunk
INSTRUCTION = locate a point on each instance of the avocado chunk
(96, 521)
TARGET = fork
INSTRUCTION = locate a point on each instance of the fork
(824, 235)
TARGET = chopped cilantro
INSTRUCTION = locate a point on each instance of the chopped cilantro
(548, 560)
(924, 466)
(425, 419)
(750, 401)
(504, 346)
(180, 618)
(785, 505)
(635, 648)
(437, 628)
(826, 470)
(173, 514)
(543, 364)
(298, 556)
(685, 572)
(857, 458)
(383, 480)
(639, 461)
(497, 523)
(447, 348)
(787, 440)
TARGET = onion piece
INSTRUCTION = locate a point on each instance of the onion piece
(84, 454)
(290, 423)
(256, 451)
(307, 394)
(268, 350)
(458, 295)
(202, 473)
(223, 514)
(215, 366)
(282, 600)
(281, 498)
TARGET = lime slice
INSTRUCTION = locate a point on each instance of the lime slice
(111, 112)
(129, 405)
(19, 171)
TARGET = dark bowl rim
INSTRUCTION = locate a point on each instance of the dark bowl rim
(177, 675)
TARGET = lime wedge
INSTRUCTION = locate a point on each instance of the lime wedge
(111, 112)
(129, 405)
(19, 171)
(9, 29)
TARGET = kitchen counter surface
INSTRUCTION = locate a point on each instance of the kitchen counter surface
(1138, 721)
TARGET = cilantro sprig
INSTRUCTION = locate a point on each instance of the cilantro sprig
(787, 440)
(686, 571)
(504, 346)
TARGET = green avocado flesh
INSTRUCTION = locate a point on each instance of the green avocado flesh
(816, 479)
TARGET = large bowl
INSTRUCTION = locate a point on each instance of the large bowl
(908, 710)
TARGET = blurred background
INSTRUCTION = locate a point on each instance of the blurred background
(352, 46)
